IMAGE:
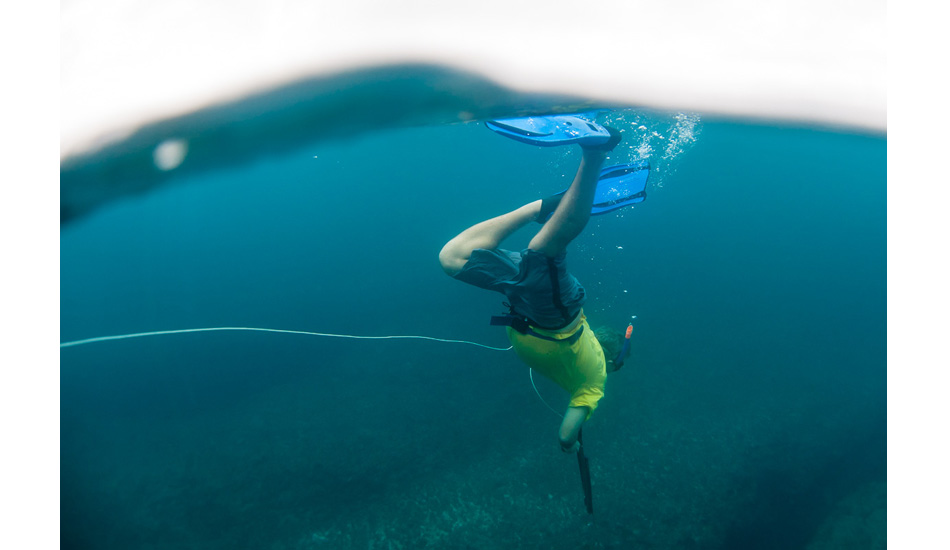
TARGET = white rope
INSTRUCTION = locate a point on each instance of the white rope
(325, 334)
(531, 376)
(254, 329)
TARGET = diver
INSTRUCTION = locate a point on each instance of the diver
(546, 323)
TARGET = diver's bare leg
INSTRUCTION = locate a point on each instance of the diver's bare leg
(487, 234)
(572, 213)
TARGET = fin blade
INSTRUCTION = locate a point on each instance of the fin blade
(551, 131)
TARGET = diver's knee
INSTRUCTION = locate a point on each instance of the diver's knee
(450, 259)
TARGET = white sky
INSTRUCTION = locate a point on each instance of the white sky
(127, 62)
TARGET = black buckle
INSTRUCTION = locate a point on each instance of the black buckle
(520, 324)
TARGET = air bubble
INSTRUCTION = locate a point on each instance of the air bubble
(170, 154)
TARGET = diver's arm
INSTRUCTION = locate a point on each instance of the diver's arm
(573, 420)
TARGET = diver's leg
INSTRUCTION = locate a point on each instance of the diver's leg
(571, 425)
(487, 234)
(573, 212)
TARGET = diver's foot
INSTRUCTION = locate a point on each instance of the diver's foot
(609, 145)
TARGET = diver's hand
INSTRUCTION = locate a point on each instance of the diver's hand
(573, 448)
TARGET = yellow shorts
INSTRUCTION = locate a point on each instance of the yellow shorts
(579, 368)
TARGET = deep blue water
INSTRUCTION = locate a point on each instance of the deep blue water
(752, 413)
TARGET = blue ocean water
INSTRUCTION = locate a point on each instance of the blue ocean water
(751, 414)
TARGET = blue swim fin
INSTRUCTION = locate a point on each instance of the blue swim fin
(551, 131)
(618, 186)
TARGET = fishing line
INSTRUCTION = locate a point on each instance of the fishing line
(306, 333)
(531, 376)
(255, 329)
